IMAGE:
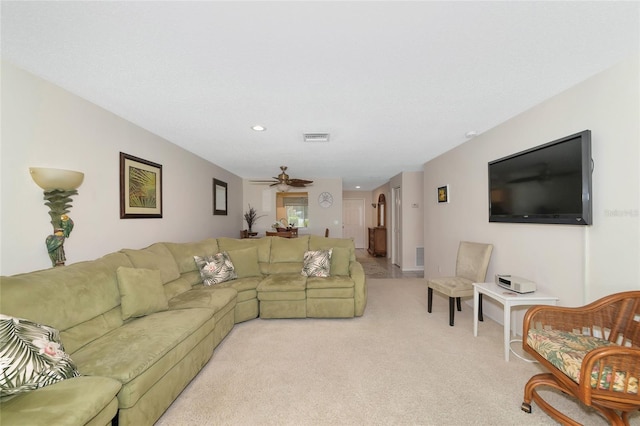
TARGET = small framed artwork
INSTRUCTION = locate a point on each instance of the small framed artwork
(443, 194)
(219, 197)
(140, 188)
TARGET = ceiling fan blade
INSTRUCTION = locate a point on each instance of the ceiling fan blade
(299, 183)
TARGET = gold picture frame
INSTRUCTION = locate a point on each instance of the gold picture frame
(443, 194)
(140, 188)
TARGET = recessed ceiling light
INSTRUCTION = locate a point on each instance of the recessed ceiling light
(259, 128)
(471, 134)
(357, 186)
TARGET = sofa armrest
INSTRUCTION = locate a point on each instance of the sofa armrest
(356, 271)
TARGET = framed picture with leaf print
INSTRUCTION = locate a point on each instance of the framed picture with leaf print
(140, 188)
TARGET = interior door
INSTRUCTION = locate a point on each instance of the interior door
(353, 220)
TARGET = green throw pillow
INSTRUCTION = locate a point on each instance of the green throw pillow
(245, 262)
(216, 269)
(31, 357)
(141, 292)
(340, 261)
(317, 263)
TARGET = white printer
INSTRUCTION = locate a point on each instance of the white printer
(515, 283)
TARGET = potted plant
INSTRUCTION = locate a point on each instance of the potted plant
(251, 217)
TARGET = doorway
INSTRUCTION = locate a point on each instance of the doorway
(353, 220)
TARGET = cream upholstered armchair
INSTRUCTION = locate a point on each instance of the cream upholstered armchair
(471, 267)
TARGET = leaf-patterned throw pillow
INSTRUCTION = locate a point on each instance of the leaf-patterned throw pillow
(216, 269)
(317, 263)
(31, 357)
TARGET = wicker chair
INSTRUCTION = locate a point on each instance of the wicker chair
(584, 349)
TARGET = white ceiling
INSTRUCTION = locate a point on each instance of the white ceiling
(394, 83)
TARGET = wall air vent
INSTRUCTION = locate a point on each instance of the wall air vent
(419, 256)
(316, 137)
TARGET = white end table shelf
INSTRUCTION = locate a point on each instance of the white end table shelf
(508, 299)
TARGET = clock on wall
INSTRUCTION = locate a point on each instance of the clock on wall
(325, 200)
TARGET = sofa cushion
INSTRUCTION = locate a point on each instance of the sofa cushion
(245, 262)
(182, 284)
(156, 256)
(319, 243)
(262, 244)
(82, 400)
(283, 282)
(215, 269)
(281, 268)
(183, 253)
(145, 349)
(141, 292)
(340, 258)
(215, 298)
(566, 351)
(317, 263)
(67, 297)
(288, 249)
(340, 287)
(32, 356)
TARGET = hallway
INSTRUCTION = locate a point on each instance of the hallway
(381, 267)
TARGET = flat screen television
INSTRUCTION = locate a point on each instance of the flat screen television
(550, 183)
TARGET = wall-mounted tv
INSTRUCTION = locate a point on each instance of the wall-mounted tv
(550, 183)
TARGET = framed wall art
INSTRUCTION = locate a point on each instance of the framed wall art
(219, 197)
(140, 188)
(443, 194)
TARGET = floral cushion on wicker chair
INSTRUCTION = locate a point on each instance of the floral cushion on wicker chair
(566, 350)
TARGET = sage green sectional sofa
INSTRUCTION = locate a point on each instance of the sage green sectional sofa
(139, 324)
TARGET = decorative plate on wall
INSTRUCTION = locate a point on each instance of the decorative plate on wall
(325, 200)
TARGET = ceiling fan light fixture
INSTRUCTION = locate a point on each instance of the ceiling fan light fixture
(282, 187)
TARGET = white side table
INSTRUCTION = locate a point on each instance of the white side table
(508, 299)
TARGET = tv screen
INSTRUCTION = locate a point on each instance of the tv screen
(550, 183)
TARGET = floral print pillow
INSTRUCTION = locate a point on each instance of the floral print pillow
(31, 357)
(317, 263)
(216, 269)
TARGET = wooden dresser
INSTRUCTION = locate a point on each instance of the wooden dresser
(378, 241)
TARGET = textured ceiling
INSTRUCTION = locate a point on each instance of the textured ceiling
(394, 83)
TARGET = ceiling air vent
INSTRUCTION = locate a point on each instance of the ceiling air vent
(316, 137)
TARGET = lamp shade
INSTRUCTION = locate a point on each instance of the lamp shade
(50, 179)
(282, 187)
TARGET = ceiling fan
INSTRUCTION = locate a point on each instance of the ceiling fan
(283, 182)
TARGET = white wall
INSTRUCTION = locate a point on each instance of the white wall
(44, 125)
(412, 217)
(576, 263)
(263, 199)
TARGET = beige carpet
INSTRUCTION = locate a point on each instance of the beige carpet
(396, 365)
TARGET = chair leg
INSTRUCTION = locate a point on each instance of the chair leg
(459, 305)
(429, 299)
(451, 310)
(480, 316)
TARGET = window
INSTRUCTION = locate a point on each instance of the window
(293, 207)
